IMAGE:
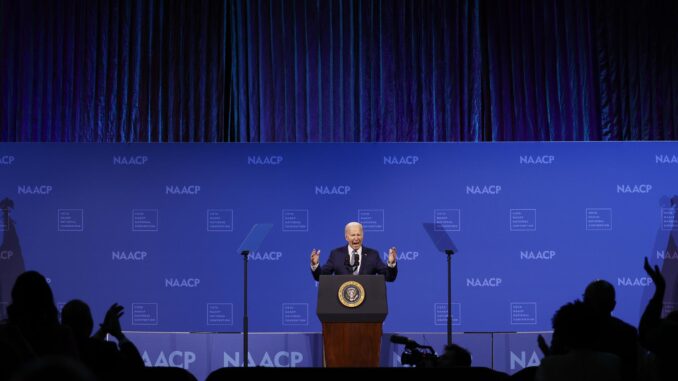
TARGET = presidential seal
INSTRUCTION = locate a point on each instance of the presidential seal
(351, 294)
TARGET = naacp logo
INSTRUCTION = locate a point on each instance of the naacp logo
(661, 254)
(483, 282)
(179, 359)
(537, 254)
(635, 188)
(351, 294)
(264, 160)
(666, 159)
(522, 360)
(274, 359)
(404, 256)
(130, 160)
(401, 160)
(34, 189)
(182, 282)
(131, 255)
(543, 159)
(182, 189)
(634, 282)
(264, 255)
(325, 190)
(483, 189)
(6, 160)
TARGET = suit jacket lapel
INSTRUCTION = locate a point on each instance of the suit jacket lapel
(362, 262)
(344, 257)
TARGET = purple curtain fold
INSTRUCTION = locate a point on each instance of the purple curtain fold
(114, 71)
(338, 70)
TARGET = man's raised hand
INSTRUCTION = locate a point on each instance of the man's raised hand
(315, 257)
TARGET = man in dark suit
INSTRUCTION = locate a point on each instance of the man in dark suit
(354, 258)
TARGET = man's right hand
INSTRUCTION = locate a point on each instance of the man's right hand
(315, 257)
(111, 322)
(656, 275)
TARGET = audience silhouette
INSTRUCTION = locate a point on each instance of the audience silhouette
(588, 343)
(32, 329)
(454, 356)
(34, 345)
(660, 336)
(588, 334)
(614, 335)
(54, 368)
(459, 360)
(104, 358)
(572, 355)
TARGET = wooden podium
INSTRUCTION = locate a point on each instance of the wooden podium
(352, 309)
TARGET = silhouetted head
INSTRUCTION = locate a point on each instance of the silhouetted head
(454, 356)
(575, 326)
(77, 315)
(600, 296)
(32, 301)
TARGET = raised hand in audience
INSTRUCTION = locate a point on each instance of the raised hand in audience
(656, 275)
(111, 324)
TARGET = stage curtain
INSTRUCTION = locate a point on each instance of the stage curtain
(338, 70)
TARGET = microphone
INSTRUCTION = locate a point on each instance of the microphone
(356, 260)
(397, 339)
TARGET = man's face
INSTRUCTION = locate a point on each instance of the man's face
(354, 236)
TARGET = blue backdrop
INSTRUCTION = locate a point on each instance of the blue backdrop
(156, 227)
